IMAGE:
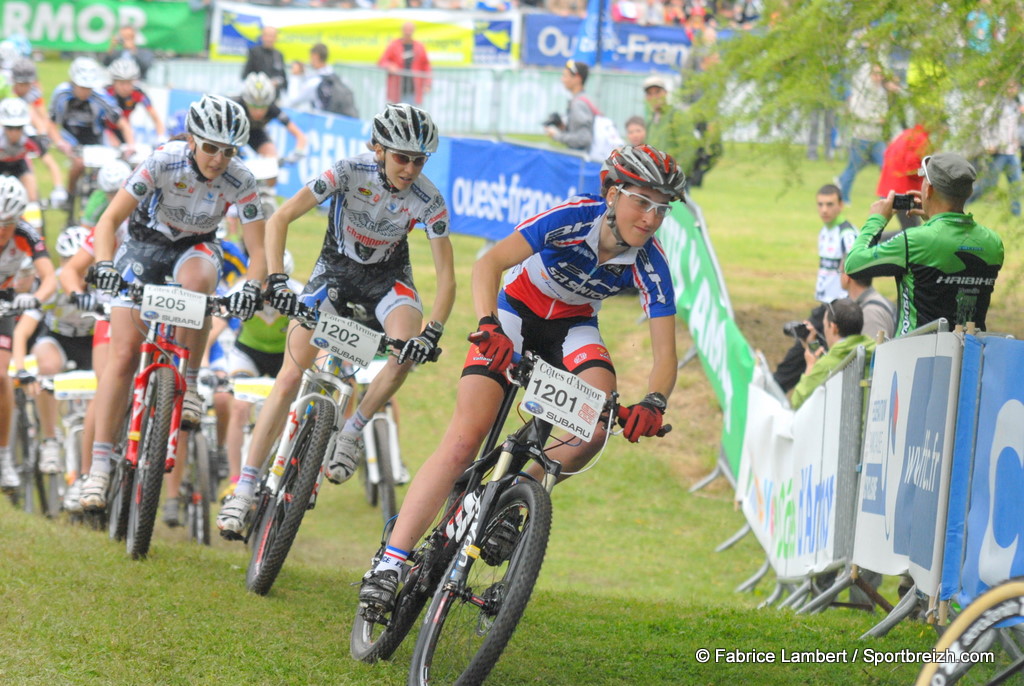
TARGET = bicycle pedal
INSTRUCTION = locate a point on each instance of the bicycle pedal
(231, 535)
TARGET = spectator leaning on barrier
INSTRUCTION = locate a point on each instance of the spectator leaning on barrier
(947, 267)
(408, 68)
(842, 327)
(125, 45)
(264, 57)
(577, 131)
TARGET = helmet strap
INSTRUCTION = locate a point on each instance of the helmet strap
(195, 165)
(613, 224)
(382, 172)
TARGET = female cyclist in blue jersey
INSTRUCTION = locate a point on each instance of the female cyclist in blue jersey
(561, 264)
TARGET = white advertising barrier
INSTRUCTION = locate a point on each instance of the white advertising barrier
(789, 476)
(908, 445)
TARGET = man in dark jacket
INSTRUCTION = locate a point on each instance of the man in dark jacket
(267, 59)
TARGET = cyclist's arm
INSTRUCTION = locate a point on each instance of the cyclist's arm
(253, 234)
(868, 257)
(487, 271)
(72, 274)
(158, 123)
(23, 330)
(300, 138)
(663, 351)
(126, 129)
(444, 271)
(106, 228)
(47, 278)
(277, 227)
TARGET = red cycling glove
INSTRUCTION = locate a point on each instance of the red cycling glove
(644, 418)
(494, 344)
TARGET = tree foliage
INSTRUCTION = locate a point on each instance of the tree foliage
(802, 56)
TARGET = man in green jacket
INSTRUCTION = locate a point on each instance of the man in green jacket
(946, 267)
(843, 323)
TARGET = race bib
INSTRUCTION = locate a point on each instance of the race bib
(563, 399)
(347, 339)
(173, 305)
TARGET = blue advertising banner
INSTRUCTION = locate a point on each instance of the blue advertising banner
(549, 40)
(489, 199)
(995, 523)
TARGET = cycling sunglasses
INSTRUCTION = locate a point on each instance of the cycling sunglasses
(212, 149)
(645, 204)
(402, 159)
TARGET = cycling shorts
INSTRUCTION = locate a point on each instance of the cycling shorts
(571, 343)
(257, 137)
(376, 290)
(77, 349)
(149, 263)
(82, 138)
(16, 168)
(245, 361)
(7, 333)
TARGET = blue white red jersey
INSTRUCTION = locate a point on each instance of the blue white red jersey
(563, 278)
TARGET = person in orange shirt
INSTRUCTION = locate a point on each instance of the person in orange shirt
(900, 164)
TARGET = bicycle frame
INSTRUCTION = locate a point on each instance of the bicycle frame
(158, 351)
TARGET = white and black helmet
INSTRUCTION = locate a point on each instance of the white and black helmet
(219, 120)
(24, 71)
(86, 73)
(70, 240)
(13, 112)
(13, 198)
(646, 167)
(112, 175)
(405, 128)
(124, 69)
(258, 90)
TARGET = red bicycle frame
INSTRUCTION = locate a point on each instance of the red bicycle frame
(158, 346)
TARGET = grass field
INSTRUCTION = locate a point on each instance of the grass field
(631, 587)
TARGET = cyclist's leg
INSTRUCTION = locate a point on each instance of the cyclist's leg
(8, 475)
(100, 344)
(28, 180)
(197, 270)
(51, 360)
(403, 322)
(573, 453)
(238, 365)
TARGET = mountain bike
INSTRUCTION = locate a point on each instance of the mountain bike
(291, 484)
(480, 563)
(199, 483)
(154, 421)
(971, 642)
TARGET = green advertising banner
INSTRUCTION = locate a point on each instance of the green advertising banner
(703, 303)
(88, 25)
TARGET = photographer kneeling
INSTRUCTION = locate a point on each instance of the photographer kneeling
(842, 326)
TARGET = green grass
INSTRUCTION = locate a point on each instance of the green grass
(630, 588)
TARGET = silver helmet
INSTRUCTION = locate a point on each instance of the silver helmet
(86, 73)
(124, 69)
(405, 128)
(646, 167)
(13, 198)
(258, 90)
(14, 112)
(218, 119)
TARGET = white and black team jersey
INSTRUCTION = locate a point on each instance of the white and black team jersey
(366, 222)
(175, 203)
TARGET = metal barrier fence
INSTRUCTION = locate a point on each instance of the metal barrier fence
(479, 101)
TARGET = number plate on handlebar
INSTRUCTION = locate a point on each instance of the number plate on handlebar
(347, 339)
(564, 400)
(173, 305)
(95, 156)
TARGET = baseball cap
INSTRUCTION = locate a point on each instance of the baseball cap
(577, 68)
(655, 82)
(950, 174)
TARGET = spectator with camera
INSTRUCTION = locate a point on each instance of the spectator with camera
(947, 267)
(842, 323)
(835, 238)
(577, 130)
(125, 46)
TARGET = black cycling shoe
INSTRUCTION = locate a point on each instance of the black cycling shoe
(378, 590)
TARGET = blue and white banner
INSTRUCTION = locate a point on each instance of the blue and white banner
(485, 198)
(994, 546)
(549, 40)
(908, 445)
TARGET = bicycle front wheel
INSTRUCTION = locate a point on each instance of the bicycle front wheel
(149, 475)
(274, 532)
(973, 637)
(199, 491)
(468, 625)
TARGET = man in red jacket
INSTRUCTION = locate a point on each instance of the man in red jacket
(899, 168)
(408, 68)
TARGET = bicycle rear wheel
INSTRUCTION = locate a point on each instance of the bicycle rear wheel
(386, 485)
(467, 628)
(199, 492)
(975, 632)
(149, 475)
(275, 530)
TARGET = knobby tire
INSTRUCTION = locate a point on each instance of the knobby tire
(274, 534)
(120, 495)
(386, 486)
(199, 494)
(458, 641)
(149, 476)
